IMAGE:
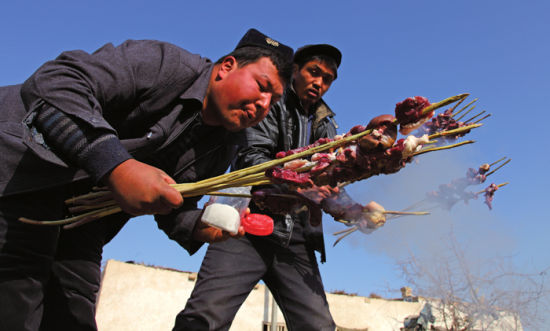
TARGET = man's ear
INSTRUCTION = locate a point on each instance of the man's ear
(228, 64)
(295, 69)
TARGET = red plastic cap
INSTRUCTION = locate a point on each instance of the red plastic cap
(258, 224)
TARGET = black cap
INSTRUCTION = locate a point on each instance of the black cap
(319, 49)
(254, 37)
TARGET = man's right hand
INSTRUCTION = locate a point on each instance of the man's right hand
(142, 189)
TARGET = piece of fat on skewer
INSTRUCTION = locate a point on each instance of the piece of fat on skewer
(414, 144)
(373, 215)
(295, 164)
(317, 156)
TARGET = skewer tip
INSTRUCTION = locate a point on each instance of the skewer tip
(29, 221)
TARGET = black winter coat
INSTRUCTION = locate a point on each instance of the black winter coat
(284, 128)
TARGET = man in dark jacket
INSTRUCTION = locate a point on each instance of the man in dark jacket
(285, 260)
(136, 118)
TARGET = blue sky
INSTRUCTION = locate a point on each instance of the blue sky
(497, 51)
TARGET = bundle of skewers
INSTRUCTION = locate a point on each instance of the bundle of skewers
(363, 152)
(451, 119)
(448, 194)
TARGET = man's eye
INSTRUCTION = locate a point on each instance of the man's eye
(328, 79)
(263, 88)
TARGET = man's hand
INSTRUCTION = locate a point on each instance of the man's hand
(316, 194)
(209, 234)
(142, 189)
(280, 201)
(313, 197)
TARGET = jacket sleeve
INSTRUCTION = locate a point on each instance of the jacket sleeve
(261, 141)
(179, 224)
(107, 87)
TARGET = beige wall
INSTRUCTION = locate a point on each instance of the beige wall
(135, 297)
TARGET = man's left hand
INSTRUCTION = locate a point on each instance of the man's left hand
(206, 233)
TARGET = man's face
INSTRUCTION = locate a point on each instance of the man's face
(242, 96)
(312, 81)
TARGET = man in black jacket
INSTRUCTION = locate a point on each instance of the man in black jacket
(285, 260)
(136, 118)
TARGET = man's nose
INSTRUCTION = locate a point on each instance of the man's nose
(264, 101)
(318, 82)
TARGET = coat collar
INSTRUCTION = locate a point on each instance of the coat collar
(321, 109)
(197, 90)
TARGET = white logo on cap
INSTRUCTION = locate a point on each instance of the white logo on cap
(272, 42)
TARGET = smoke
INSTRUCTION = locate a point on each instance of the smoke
(473, 224)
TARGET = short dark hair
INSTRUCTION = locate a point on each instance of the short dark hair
(329, 61)
(250, 54)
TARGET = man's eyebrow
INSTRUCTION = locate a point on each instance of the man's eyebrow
(324, 72)
(270, 87)
(269, 84)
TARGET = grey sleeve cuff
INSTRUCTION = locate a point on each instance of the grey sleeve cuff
(102, 156)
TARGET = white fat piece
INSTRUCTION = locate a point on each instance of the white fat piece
(295, 164)
(374, 215)
(223, 217)
(413, 144)
(317, 156)
(375, 219)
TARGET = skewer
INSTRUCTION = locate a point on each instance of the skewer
(341, 231)
(95, 214)
(497, 161)
(500, 166)
(432, 149)
(452, 109)
(481, 119)
(100, 188)
(344, 235)
(454, 131)
(404, 213)
(344, 221)
(92, 196)
(472, 118)
(78, 223)
(465, 113)
(241, 195)
(85, 206)
(442, 103)
(462, 109)
(499, 186)
(227, 194)
(396, 214)
(416, 204)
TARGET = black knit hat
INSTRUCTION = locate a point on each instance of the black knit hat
(254, 37)
(304, 52)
